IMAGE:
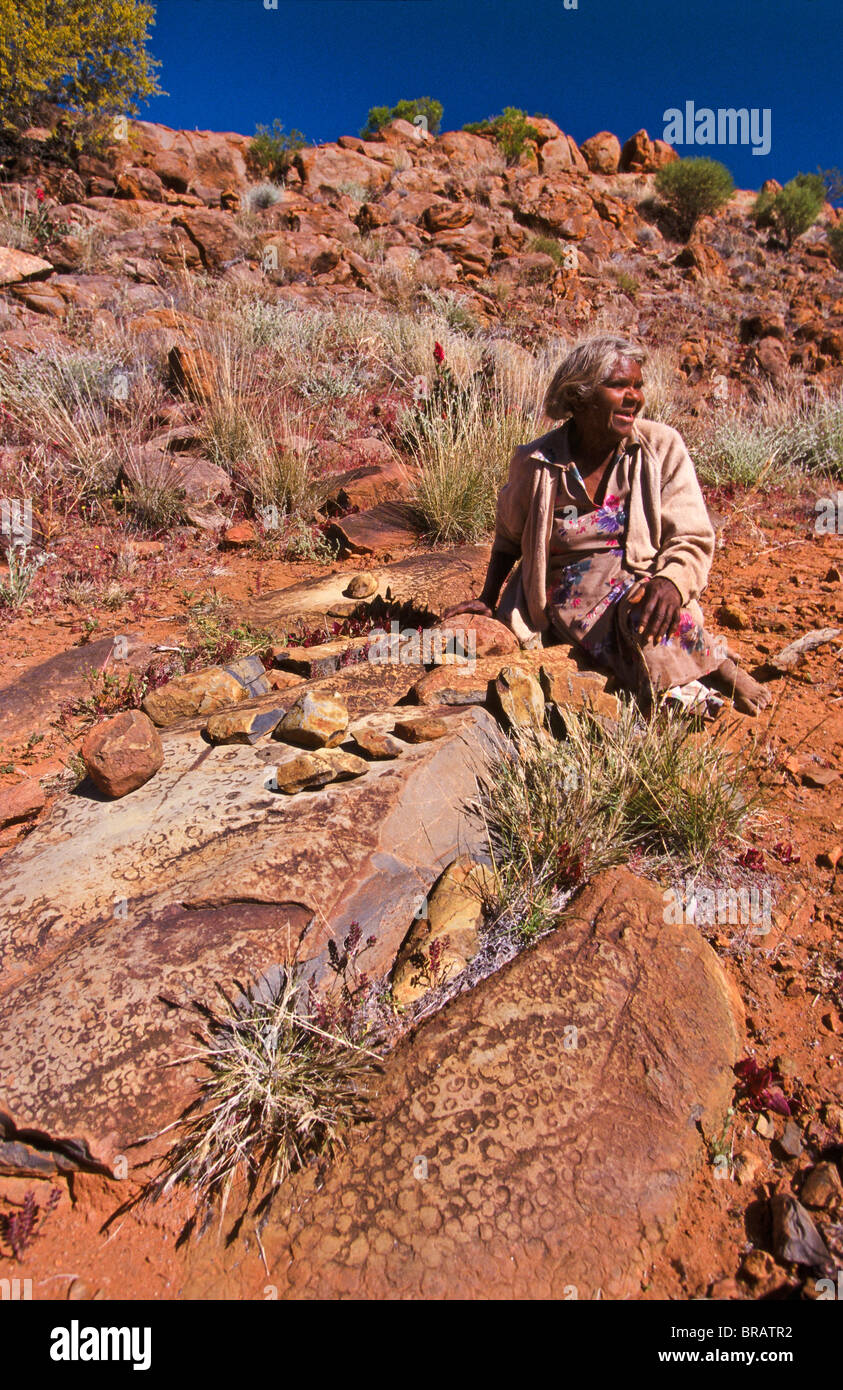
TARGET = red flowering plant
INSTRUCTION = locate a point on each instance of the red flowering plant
(341, 1010)
(752, 859)
(759, 1088)
(432, 400)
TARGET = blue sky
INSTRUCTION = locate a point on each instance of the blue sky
(606, 65)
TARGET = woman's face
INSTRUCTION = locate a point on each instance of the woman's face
(616, 401)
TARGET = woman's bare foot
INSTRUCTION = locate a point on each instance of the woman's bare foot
(749, 697)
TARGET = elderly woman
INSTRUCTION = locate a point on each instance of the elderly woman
(608, 520)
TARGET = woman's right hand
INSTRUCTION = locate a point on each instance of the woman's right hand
(472, 605)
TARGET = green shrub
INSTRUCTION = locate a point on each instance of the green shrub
(694, 188)
(835, 241)
(427, 107)
(546, 246)
(511, 131)
(794, 208)
(273, 149)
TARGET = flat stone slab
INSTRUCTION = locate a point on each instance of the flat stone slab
(35, 697)
(533, 1140)
(429, 582)
(116, 915)
(382, 529)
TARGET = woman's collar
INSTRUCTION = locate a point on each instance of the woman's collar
(557, 449)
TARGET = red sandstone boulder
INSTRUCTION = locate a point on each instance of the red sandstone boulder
(122, 753)
(329, 168)
(17, 266)
(641, 155)
(602, 152)
(771, 357)
(447, 217)
(214, 235)
(21, 802)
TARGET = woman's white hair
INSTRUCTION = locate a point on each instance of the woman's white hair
(583, 369)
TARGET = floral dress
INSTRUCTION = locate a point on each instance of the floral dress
(592, 596)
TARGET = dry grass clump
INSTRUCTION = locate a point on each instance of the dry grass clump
(557, 812)
(77, 409)
(462, 445)
(255, 434)
(773, 441)
(278, 1090)
(813, 435)
(663, 395)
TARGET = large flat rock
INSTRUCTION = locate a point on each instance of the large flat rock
(115, 913)
(380, 530)
(33, 699)
(428, 582)
(503, 1162)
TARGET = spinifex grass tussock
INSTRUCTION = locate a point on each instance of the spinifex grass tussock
(786, 434)
(60, 402)
(735, 447)
(279, 1088)
(652, 787)
(461, 440)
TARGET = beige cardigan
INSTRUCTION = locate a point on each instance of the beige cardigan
(668, 531)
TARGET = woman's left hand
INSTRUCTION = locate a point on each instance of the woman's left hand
(659, 612)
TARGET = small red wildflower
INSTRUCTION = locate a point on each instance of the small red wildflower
(760, 1087)
(438, 354)
(784, 852)
(752, 859)
(40, 194)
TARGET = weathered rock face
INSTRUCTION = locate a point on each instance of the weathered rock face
(19, 265)
(36, 697)
(534, 1138)
(213, 234)
(641, 155)
(311, 770)
(330, 169)
(384, 529)
(204, 160)
(189, 475)
(193, 371)
(314, 721)
(452, 920)
(602, 152)
(490, 637)
(520, 698)
(112, 913)
(21, 802)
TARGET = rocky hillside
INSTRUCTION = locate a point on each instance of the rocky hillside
(248, 428)
(546, 245)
